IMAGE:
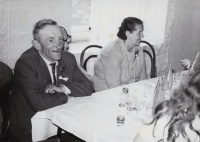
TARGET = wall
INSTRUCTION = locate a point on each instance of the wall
(23, 14)
(185, 36)
(4, 31)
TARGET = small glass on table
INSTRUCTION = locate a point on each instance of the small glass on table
(176, 78)
(130, 103)
(147, 90)
(147, 95)
(120, 120)
(138, 104)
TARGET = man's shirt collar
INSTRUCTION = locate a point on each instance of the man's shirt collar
(47, 61)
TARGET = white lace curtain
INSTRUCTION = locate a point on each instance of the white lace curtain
(107, 15)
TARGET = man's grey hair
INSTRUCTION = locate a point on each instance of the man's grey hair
(40, 25)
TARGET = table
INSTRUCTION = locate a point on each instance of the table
(92, 118)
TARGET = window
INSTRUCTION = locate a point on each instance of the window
(80, 28)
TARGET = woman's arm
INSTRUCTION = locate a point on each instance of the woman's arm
(112, 69)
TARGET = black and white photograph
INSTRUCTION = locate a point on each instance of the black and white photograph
(99, 71)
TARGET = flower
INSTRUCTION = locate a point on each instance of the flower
(136, 54)
(62, 71)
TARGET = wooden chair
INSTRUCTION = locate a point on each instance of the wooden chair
(83, 63)
(152, 56)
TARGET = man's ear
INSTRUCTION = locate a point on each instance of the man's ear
(36, 44)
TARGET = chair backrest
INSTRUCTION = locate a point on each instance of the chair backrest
(83, 63)
(6, 79)
(152, 56)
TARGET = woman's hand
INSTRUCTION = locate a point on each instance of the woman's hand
(186, 63)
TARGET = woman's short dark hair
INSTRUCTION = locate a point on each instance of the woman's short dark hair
(128, 24)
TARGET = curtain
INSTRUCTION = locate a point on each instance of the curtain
(107, 15)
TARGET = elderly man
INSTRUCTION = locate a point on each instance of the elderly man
(44, 77)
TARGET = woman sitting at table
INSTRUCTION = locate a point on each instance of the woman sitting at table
(121, 61)
(177, 119)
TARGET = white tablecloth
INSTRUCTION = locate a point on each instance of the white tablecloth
(92, 118)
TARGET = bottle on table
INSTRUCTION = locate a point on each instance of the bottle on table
(168, 81)
(159, 93)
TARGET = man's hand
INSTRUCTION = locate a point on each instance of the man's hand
(52, 88)
(186, 63)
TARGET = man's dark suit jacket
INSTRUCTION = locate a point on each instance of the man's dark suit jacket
(31, 76)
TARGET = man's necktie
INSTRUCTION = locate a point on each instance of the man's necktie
(53, 65)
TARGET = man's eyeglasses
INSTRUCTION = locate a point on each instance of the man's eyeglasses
(68, 40)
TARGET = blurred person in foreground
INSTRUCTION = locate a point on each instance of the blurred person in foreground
(44, 77)
(121, 61)
(177, 119)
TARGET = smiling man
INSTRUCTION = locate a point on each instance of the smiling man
(44, 77)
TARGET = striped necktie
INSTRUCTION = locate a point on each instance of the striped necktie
(53, 66)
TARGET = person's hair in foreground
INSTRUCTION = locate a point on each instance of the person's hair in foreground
(183, 107)
(128, 24)
(40, 25)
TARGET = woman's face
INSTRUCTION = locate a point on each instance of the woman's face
(135, 37)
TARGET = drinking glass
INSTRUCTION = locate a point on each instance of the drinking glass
(147, 93)
(147, 90)
(139, 105)
(122, 99)
(148, 105)
(134, 105)
(177, 78)
(130, 103)
(183, 76)
(120, 120)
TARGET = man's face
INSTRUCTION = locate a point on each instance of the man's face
(136, 36)
(51, 42)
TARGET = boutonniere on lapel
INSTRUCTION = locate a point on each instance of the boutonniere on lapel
(62, 74)
(136, 54)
